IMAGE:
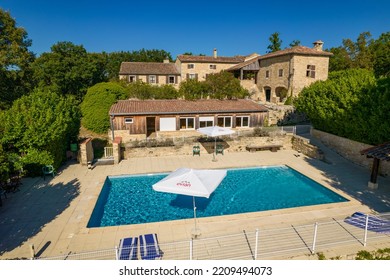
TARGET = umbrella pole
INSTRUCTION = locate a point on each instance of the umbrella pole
(215, 149)
(196, 231)
(193, 202)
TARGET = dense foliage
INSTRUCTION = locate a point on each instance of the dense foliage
(40, 127)
(351, 104)
(365, 53)
(15, 60)
(143, 90)
(67, 69)
(223, 85)
(97, 103)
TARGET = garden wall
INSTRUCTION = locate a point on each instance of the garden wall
(350, 149)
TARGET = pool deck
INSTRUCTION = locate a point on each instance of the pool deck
(52, 214)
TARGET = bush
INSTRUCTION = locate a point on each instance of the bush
(97, 103)
(40, 127)
(349, 104)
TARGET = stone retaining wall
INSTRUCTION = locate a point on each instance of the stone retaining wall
(303, 146)
(350, 149)
(230, 145)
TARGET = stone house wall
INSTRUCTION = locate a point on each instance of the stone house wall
(201, 68)
(294, 77)
(299, 66)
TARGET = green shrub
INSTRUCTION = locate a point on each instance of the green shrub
(39, 128)
(97, 103)
(351, 104)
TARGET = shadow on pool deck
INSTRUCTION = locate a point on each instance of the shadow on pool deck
(54, 213)
(352, 179)
(25, 213)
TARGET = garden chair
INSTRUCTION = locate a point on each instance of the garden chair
(48, 170)
(196, 150)
(219, 149)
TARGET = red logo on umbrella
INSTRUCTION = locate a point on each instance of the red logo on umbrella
(184, 184)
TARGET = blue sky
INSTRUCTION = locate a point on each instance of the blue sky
(232, 27)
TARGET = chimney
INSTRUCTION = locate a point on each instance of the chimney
(317, 45)
(215, 53)
(166, 60)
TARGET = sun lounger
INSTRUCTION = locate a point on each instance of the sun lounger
(149, 247)
(375, 224)
(128, 248)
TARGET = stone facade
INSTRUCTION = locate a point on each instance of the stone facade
(230, 145)
(289, 73)
(86, 152)
(159, 79)
(198, 67)
(303, 146)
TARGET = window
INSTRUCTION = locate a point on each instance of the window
(152, 79)
(242, 121)
(280, 72)
(171, 80)
(192, 76)
(267, 74)
(206, 121)
(187, 123)
(190, 66)
(213, 66)
(129, 120)
(311, 71)
(132, 79)
(225, 121)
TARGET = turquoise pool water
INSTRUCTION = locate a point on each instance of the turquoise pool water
(131, 200)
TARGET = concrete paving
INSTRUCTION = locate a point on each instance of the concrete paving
(52, 215)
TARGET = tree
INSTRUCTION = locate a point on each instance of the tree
(223, 85)
(275, 43)
(192, 89)
(15, 60)
(353, 54)
(67, 69)
(381, 55)
(97, 103)
(40, 127)
(340, 59)
(295, 43)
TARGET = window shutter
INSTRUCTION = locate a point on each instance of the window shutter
(187, 76)
(167, 79)
(156, 79)
(196, 76)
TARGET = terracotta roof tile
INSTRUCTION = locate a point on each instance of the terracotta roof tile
(243, 64)
(145, 107)
(296, 50)
(148, 68)
(218, 59)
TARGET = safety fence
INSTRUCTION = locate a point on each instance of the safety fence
(272, 243)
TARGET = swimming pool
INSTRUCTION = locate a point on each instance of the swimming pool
(130, 199)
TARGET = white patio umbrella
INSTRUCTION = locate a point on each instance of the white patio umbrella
(191, 182)
(214, 131)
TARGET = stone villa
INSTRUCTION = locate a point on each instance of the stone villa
(270, 77)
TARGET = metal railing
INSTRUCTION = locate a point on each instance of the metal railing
(274, 243)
